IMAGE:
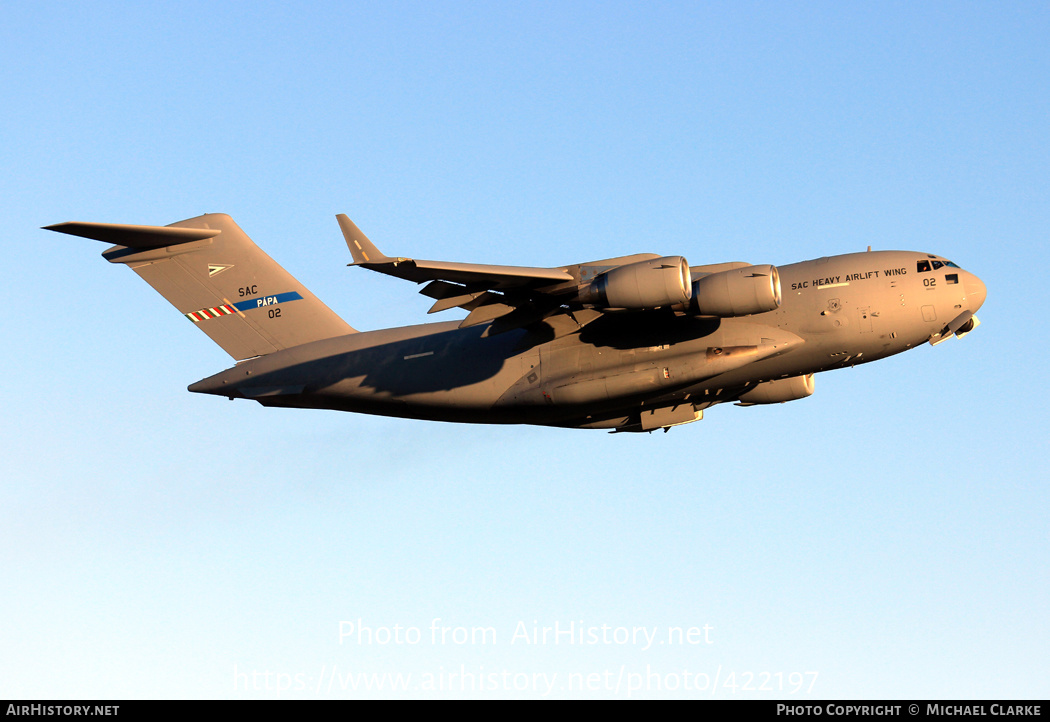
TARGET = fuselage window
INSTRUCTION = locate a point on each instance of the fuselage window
(951, 278)
(924, 266)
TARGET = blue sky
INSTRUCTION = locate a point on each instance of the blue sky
(883, 538)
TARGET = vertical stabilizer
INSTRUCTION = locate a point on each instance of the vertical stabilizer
(210, 270)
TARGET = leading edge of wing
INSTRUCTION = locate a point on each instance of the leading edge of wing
(366, 254)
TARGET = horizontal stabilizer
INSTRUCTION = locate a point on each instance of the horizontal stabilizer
(135, 236)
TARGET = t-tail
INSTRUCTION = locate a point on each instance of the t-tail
(210, 270)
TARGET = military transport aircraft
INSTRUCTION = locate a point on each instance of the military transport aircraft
(635, 343)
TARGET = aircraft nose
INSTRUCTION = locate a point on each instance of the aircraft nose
(975, 291)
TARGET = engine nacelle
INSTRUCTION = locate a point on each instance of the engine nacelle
(779, 390)
(642, 286)
(739, 292)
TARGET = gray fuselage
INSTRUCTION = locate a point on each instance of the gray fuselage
(835, 312)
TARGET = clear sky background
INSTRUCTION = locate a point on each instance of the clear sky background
(886, 537)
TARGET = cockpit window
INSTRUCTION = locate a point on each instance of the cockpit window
(925, 266)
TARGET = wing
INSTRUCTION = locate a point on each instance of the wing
(496, 277)
(512, 296)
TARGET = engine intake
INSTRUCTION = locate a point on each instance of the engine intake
(641, 286)
(739, 292)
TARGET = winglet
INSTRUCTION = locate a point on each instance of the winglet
(362, 249)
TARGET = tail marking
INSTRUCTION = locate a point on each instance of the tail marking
(205, 313)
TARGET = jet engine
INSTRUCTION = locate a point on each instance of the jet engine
(778, 391)
(739, 292)
(641, 286)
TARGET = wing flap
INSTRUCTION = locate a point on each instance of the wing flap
(486, 313)
(443, 304)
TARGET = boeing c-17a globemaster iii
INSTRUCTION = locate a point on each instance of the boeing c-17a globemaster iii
(635, 343)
